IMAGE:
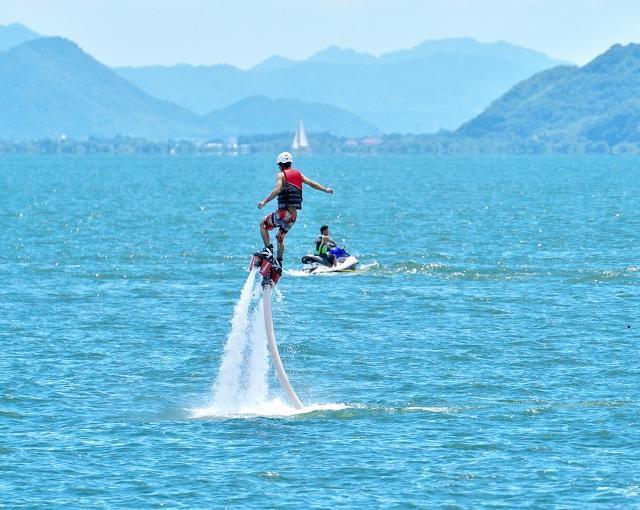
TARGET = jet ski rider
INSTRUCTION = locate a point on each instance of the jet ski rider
(288, 189)
(323, 244)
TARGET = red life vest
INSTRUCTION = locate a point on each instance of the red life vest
(291, 193)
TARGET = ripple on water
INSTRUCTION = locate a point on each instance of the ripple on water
(484, 354)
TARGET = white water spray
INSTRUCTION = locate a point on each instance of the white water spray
(257, 386)
(242, 383)
(227, 385)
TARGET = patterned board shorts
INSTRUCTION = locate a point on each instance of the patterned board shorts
(283, 219)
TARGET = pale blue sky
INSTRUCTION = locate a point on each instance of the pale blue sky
(244, 32)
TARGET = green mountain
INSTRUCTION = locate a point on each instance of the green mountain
(50, 87)
(260, 115)
(438, 84)
(596, 103)
(15, 34)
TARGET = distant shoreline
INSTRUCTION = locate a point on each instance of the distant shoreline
(323, 143)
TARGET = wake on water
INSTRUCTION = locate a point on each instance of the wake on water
(362, 268)
(242, 385)
(241, 388)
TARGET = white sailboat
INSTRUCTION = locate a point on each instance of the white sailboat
(300, 140)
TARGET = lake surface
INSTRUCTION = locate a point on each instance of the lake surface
(487, 354)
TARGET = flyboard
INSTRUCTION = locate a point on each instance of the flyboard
(270, 276)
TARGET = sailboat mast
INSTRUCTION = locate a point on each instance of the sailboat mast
(300, 140)
(302, 136)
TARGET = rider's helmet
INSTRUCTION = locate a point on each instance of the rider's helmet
(284, 157)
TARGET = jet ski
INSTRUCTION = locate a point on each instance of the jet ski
(316, 265)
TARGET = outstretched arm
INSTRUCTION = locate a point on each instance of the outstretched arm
(274, 192)
(315, 185)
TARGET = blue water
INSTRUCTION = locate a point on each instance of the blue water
(486, 356)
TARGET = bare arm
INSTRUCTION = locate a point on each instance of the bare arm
(315, 185)
(274, 192)
(329, 242)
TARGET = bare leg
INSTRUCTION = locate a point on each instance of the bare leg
(280, 250)
(265, 235)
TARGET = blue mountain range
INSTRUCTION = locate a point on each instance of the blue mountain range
(15, 34)
(49, 87)
(436, 85)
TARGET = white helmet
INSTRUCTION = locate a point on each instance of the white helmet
(284, 157)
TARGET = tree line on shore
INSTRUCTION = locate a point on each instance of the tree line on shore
(321, 143)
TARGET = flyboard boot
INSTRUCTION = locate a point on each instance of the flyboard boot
(268, 267)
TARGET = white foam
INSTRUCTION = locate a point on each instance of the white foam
(296, 272)
(275, 408)
(432, 409)
(360, 269)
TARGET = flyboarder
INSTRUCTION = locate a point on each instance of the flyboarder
(288, 189)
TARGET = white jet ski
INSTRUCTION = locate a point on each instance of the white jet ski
(317, 265)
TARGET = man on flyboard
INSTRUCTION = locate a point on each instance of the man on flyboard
(288, 189)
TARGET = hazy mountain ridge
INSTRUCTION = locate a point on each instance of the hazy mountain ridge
(50, 87)
(438, 84)
(260, 115)
(501, 50)
(598, 102)
(273, 63)
(15, 34)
